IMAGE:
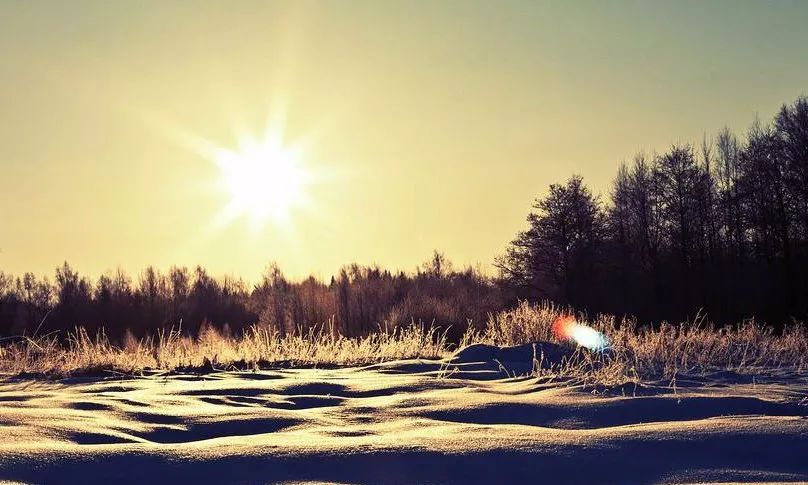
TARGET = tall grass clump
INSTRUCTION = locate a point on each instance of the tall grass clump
(660, 351)
(212, 349)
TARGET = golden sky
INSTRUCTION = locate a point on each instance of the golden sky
(421, 125)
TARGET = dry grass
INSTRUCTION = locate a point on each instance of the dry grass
(639, 353)
(258, 346)
(636, 354)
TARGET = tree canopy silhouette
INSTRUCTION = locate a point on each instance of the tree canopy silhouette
(721, 229)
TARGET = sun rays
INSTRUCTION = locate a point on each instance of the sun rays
(266, 182)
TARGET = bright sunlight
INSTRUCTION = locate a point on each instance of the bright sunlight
(266, 181)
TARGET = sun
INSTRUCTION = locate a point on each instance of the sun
(264, 178)
(265, 181)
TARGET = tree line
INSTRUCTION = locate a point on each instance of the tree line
(720, 228)
(357, 301)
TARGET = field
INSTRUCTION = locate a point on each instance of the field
(677, 404)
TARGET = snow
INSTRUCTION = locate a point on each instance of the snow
(462, 420)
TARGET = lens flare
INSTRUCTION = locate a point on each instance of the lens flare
(566, 328)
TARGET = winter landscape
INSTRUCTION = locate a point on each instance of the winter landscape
(219, 222)
(720, 408)
(403, 423)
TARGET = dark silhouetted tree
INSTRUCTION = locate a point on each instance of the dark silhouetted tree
(557, 256)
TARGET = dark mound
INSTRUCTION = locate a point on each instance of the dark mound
(516, 360)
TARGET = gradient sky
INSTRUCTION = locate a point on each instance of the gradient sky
(431, 125)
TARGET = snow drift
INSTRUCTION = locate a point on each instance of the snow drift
(462, 420)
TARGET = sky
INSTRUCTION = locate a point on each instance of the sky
(417, 125)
